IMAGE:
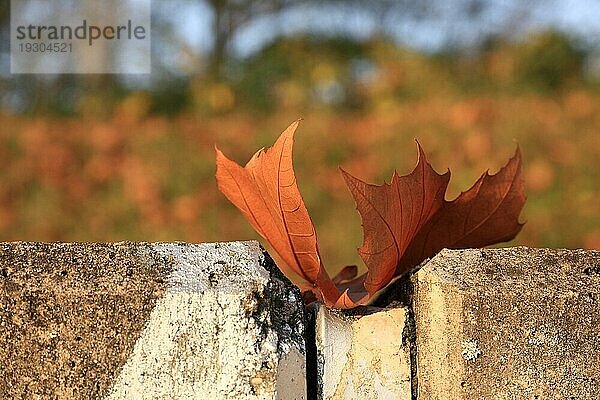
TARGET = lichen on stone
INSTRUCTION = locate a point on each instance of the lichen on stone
(471, 350)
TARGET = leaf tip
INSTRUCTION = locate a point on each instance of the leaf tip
(421, 152)
(294, 125)
(517, 154)
(218, 151)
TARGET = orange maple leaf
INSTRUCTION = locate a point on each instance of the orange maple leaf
(266, 192)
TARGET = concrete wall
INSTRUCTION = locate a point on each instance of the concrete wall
(513, 323)
(148, 321)
(213, 321)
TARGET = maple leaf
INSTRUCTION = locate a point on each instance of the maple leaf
(486, 214)
(266, 192)
(409, 220)
(392, 215)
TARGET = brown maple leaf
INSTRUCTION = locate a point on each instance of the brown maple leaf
(486, 214)
(392, 215)
(408, 220)
(266, 192)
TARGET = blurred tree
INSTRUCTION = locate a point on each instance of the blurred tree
(457, 21)
(232, 16)
(305, 70)
(548, 61)
(229, 17)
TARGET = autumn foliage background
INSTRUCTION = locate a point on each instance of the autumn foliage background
(139, 165)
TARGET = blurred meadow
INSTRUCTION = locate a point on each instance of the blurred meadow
(111, 158)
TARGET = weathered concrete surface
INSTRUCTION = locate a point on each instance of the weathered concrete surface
(147, 321)
(512, 323)
(364, 357)
(70, 315)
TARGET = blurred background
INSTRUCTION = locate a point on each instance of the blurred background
(131, 157)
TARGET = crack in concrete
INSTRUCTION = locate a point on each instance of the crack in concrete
(412, 345)
(314, 391)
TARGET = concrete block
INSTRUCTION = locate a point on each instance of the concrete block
(148, 321)
(513, 323)
(365, 357)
